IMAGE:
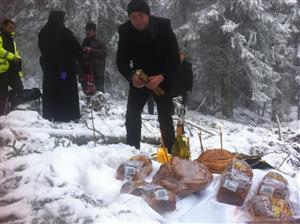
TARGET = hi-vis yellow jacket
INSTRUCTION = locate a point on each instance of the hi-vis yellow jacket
(6, 56)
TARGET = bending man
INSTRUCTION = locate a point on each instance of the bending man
(147, 42)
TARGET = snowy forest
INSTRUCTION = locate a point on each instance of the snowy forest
(245, 101)
(244, 53)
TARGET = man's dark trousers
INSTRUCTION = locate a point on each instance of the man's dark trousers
(136, 100)
(9, 78)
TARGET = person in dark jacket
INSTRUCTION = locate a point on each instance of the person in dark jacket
(10, 64)
(94, 55)
(147, 42)
(183, 79)
(59, 52)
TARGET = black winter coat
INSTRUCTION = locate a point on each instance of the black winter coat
(96, 58)
(59, 52)
(183, 79)
(154, 50)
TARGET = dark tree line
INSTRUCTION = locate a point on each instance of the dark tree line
(243, 52)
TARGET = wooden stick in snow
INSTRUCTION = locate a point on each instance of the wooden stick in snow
(284, 160)
(200, 105)
(291, 174)
(221, 137)
(93, 124)
(188, 128)
(200, 139)
(198, 127)
(279, 128)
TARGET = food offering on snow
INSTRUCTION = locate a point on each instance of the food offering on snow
(273, 185)
(158, 198)
(263, 209)
(216, 159)
(271, 204)
(235, 183)
(136, 168)
(183, 177)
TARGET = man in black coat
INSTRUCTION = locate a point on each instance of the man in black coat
(59, 52)
(94, 55)
(183, 79)
(147, 42)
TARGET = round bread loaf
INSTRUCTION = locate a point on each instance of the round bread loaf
(216, 159)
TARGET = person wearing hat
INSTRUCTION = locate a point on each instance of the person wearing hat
(147, 42)
(94, 55)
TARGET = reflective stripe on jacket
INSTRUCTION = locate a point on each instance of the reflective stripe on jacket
(6, 56)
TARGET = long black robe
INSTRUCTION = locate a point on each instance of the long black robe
(59, 52)
(182, 79)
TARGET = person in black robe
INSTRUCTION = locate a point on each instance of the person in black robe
(183, 79)
(59, 52)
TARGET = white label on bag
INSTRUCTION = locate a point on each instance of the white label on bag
(244, 177)
(266, 190)
(129, 170)
(274, 182)
(134, 163)
(237, 175)
(128, 177)
(151, 187)
(161, 195)
(231, 185)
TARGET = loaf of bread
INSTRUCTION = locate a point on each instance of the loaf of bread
(263, 208)
(273, 185)
(136, 168)
(216, 159)
(267, 220)
(183, 177)
(157, 197)
(235, 183)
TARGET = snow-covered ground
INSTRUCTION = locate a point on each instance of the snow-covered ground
(47, 178)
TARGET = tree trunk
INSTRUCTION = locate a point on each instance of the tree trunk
(299, 106)
(227, 101)
(276, 108)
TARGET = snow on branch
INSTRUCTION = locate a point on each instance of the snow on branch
(229, 26)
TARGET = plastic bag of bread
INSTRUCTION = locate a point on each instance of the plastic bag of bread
(136, 168)
(216, 159)
(235, 183)
(157, 197)
(273, 185)
(263, 209)
(183, 177)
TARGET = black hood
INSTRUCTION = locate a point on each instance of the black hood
(56, 18)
